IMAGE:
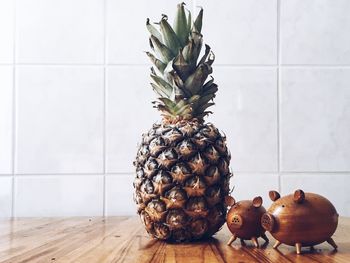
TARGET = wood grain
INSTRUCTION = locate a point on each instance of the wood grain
(123, 239)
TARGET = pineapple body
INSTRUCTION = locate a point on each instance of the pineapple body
(182, 178)
(182, 165)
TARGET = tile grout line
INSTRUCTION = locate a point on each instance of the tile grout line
(308, 66)
(62, 174)
(312, 66)
(104, 103)
(278, 42)
(131, 173)
(14, 113)
(104, 143)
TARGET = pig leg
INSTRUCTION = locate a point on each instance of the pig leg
(277, 244)
(298, 248)
(332, 243)
(255, 242)
(263, 236)
(233, 238)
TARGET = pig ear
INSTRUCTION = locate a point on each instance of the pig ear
(274, 195)
(257, 201)
(299, 196)
(229, 200)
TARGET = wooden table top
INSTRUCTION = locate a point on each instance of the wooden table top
(123, 239)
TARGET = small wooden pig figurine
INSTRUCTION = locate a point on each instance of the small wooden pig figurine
(300, 220)
(243, 220)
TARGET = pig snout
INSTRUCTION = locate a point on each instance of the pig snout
(236, 221)
(268, 221)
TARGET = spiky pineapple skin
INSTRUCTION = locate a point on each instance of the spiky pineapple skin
(182, 179)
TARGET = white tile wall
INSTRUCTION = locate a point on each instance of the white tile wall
(128, 115)
(241, 31)
(315, 31)
(59, 31)
(119, 195)
(6, 92)
(82, 99)
(315, 119)
(246, 186)
(5, 196)
(59, 120)
(127, 36)
(246, 112)
(6, 30)
(59, 196)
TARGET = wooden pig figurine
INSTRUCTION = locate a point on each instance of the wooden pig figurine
(243, 220)
(300, 220)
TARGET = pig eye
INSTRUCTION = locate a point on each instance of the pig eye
(283, 205)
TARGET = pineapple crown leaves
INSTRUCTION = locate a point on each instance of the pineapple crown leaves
(179, 75)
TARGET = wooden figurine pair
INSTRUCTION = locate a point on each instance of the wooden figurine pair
(299, 219)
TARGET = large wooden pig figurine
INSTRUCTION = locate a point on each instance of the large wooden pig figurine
(300, 220)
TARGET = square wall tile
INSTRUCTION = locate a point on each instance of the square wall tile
(59, 31)
(129, 114)
(332, 186)
(6, 30)
(315, 119)
(246, 111)
(6, 91)
(241, 31)
(246, 186)
(119, 195)
(44, 196)
(5, 196)
(59, 120)
(315, 32)
(127, 36)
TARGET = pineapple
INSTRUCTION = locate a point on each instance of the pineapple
(182, 164)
